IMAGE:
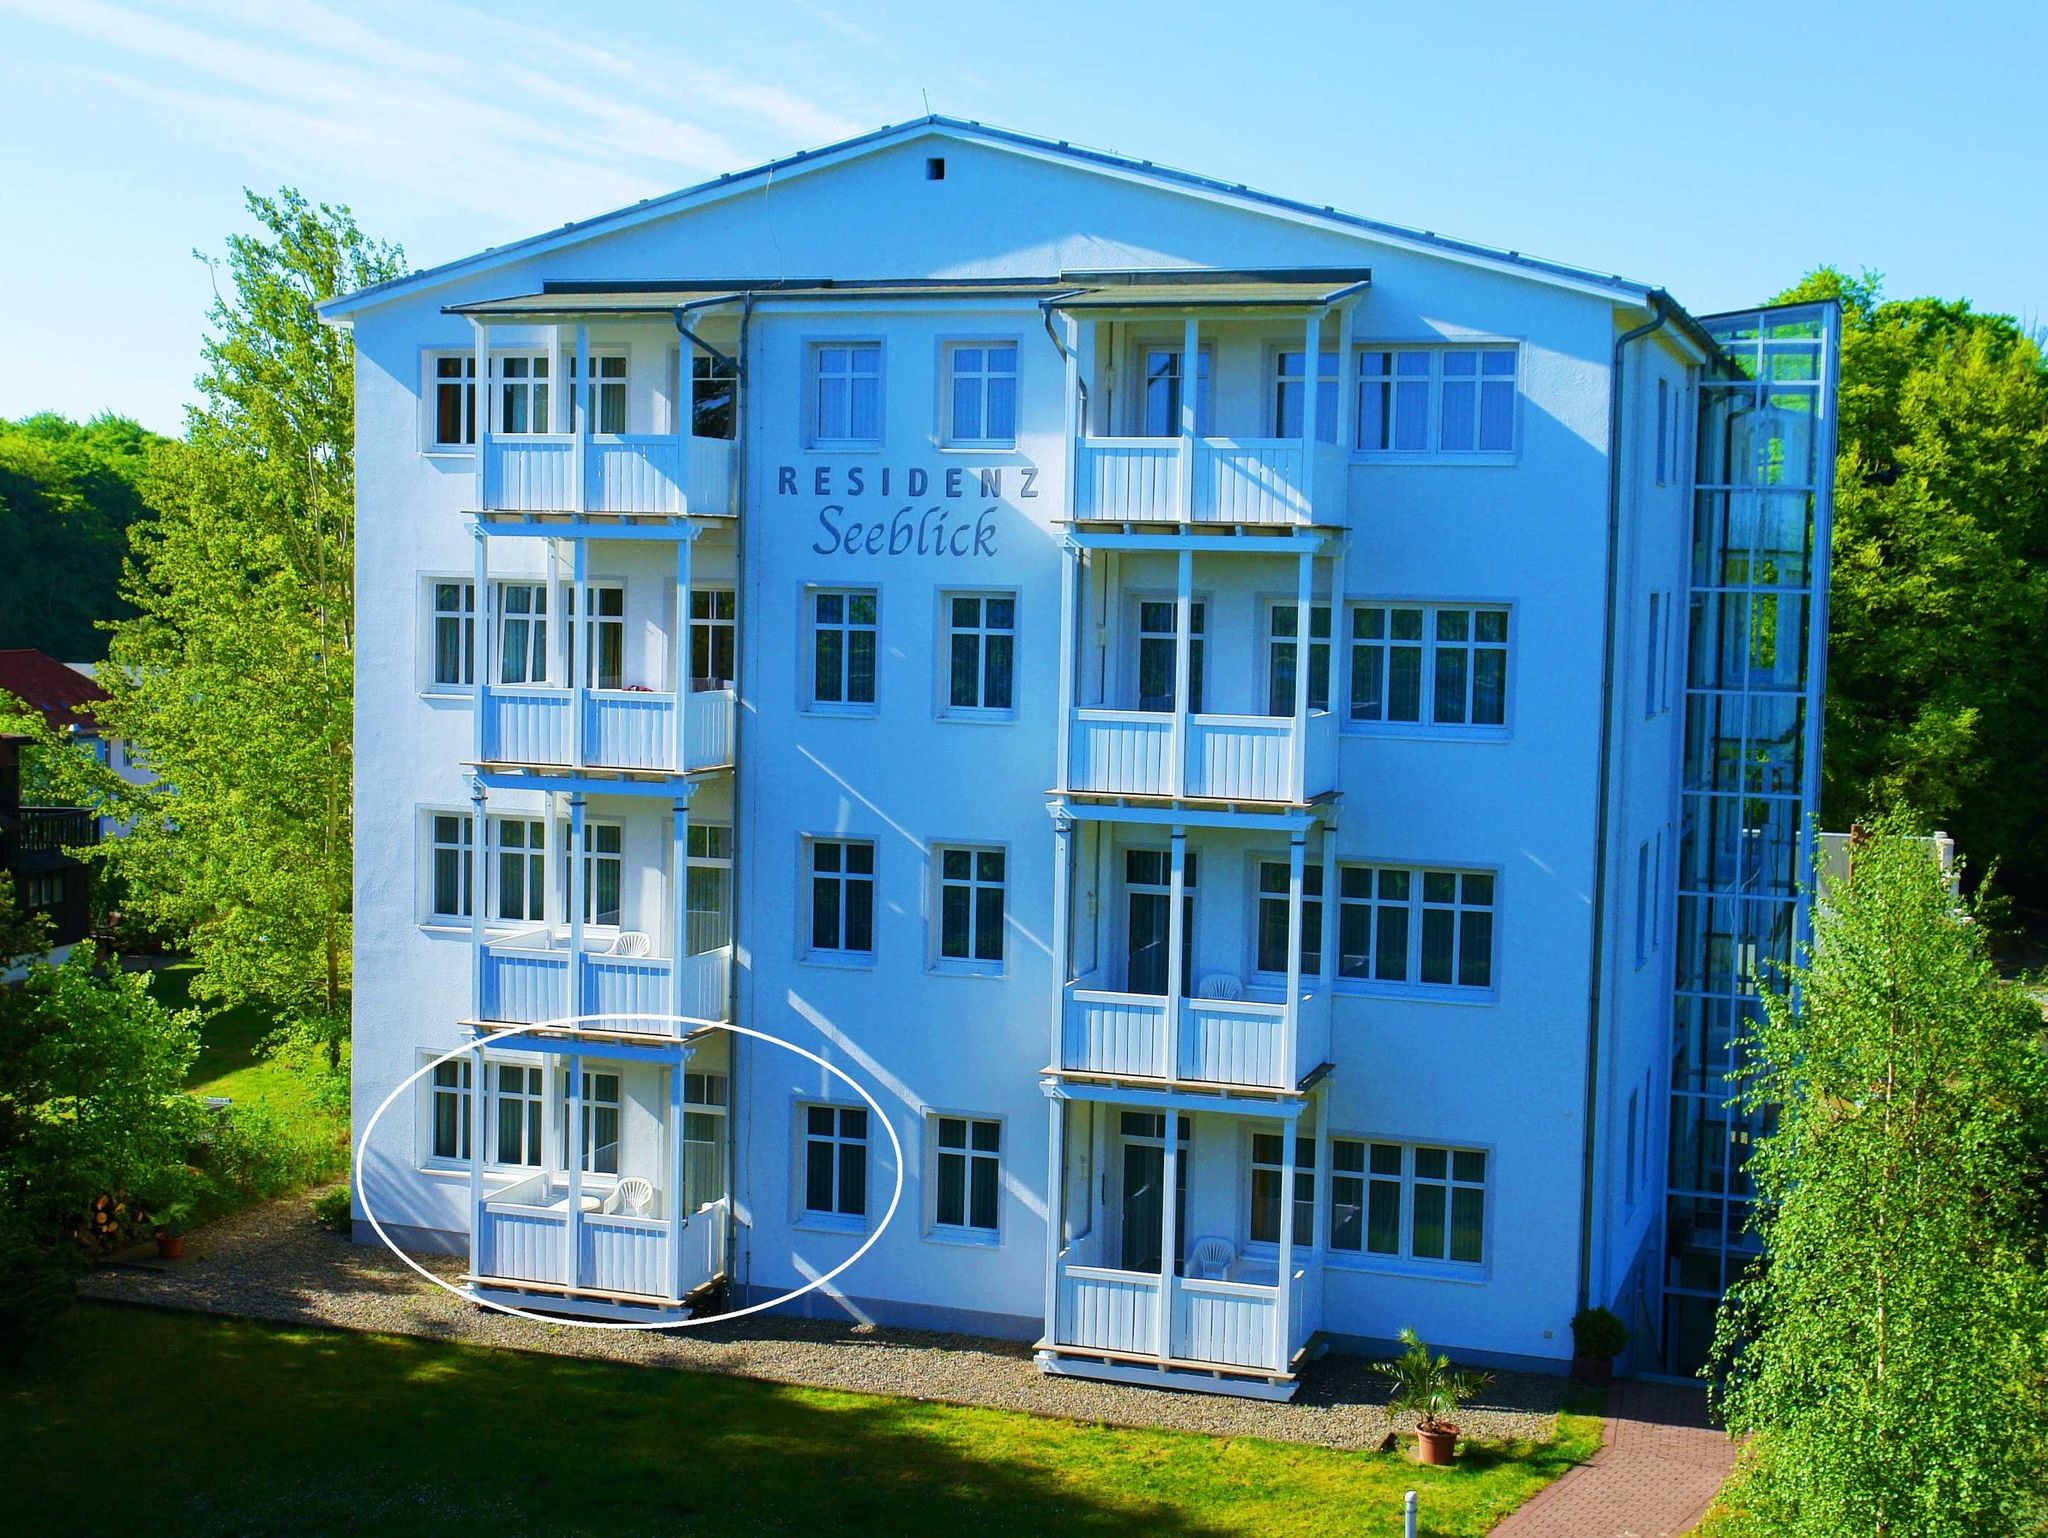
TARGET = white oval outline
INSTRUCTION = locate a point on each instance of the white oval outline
(573, 1022)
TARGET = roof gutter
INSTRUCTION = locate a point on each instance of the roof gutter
(1662, 311)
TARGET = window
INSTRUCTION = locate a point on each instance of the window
(44, 892)
(522, 868)
(603, 872)
(843, 647)
(522, 633)
(714, 393)
(981, 652)
(519, 1108)
(1444, 665)
(968, 1173)
(1267, 1170)
(981, 394)
(1273, 918)
(1663, 429)
(1148, 899)
(598, 1147)
(1287, 386)
(713, 637)
(1409, 1202)
(448, 1110)
(1628, 1163)
(454, 400)
(1161, 401)
(846, 395)
(1433, 927)
(1282, 633)
(1436, 400)
(454, 840)
(522, 393)
(843, 896)
(970, 905)
(835, 1161)
(1643, 902)
(704, 1115)
(454, 634)
(1157, 651)
(602, 402)
(707, 920)
(603, 633)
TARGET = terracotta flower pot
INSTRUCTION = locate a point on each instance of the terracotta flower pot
(1436, 1445)
(170, 1246)
(1593, 1371)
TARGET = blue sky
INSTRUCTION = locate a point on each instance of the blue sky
(1719, 150)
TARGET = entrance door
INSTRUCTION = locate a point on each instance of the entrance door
(1142, 1168)
(1148, 901)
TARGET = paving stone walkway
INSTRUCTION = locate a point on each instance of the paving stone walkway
(1654, 1476)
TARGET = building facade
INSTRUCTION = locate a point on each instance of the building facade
(1174, 702)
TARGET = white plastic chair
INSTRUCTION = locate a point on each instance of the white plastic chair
(1211, 1259)
(630, 942)
(1220, 985)
(631, 1197)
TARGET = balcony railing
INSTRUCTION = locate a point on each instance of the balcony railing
(1224, 758)
(646, 473)
(1244, 1043)
(50, 831)
(622, 728)
(523, 1236)
(1219, 1323)
(526, 980)
(1268, 482)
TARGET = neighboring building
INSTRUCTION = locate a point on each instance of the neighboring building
(39, 844)
(893, 567)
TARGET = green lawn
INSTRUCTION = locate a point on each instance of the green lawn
(127, 1418)
(230, 1062)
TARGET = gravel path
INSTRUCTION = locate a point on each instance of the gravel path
(274, 1262)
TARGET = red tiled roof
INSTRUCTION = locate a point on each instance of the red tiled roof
(63, 695)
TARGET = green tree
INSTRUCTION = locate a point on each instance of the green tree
(1891, 1355)
(234, 677)
(68, 495)
(1940, 587)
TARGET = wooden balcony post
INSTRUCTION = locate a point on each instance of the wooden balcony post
(483, 647)
(479, 870)
(1055, 1211)
(1070, 576)
(1183, 661)
(1327, 974)
(572, 1268)
(582, 664)
(1177, 939)
(474, 1107)
(1169, 1230)
(1190, 377)
(679, 901)
(1283, 1291)
(580, 400)
(578, 879)
(1074, 426)
(482, 387)
(1062, 922)
(1290, 1030)
(678, 1203)
(1347, 387)
(1311, 388)
(679, 651)
(1304, 651)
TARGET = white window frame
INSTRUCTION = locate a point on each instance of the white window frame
(847, 627)
(593, 1106)
(590, 621)
(603, 389)
(975, 885)
(1400, 405)
(463, 847)
(433, 1090)
(532, 1097)
(816, 376)
(1427, 646)
(841, 877)
(1261, 863)
(970, 1156)
(1417, 908)
(837, 1139)
(1645, 898)
(1280, 377)
(1273, 642)
(710, 625)
(1199, 607)
(595, 857)
(533, 388)
(1205, 399)
(1403, 1257)
(1664, 424)
(464, 617)
(1305, 1175)
(533, 863)
(699, 854)
(534, 652)
(982, 631)
(432, 383)
(952, 375)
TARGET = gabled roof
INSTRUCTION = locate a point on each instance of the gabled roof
(342, 306)
(62, 695)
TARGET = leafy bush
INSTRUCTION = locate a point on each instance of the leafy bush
(331, 1210)
(1598, 1333)
(252, 1153)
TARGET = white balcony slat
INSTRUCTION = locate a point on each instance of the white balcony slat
(1115, 1033)
(1108, 1310)
(1228, 1323)
(526, 1245)
(624, 1254)
(707, 727)
(527, 725)
(629, 729)
(1234, 1043)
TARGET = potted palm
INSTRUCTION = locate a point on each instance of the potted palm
(1598, 1337)
(170, 1230)
(1429, 1388)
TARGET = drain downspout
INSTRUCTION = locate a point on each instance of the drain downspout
(1661, 312)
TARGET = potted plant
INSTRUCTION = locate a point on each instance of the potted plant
(170, 1230)
(1429, 1388)
(1598, 1337)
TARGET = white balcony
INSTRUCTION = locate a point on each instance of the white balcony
(1221, 1323)
(624, 729)
(1242, 1043)
(523, 1237)
(1259, 482)
(628, 473)
(526, 980)
(1218, 757)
